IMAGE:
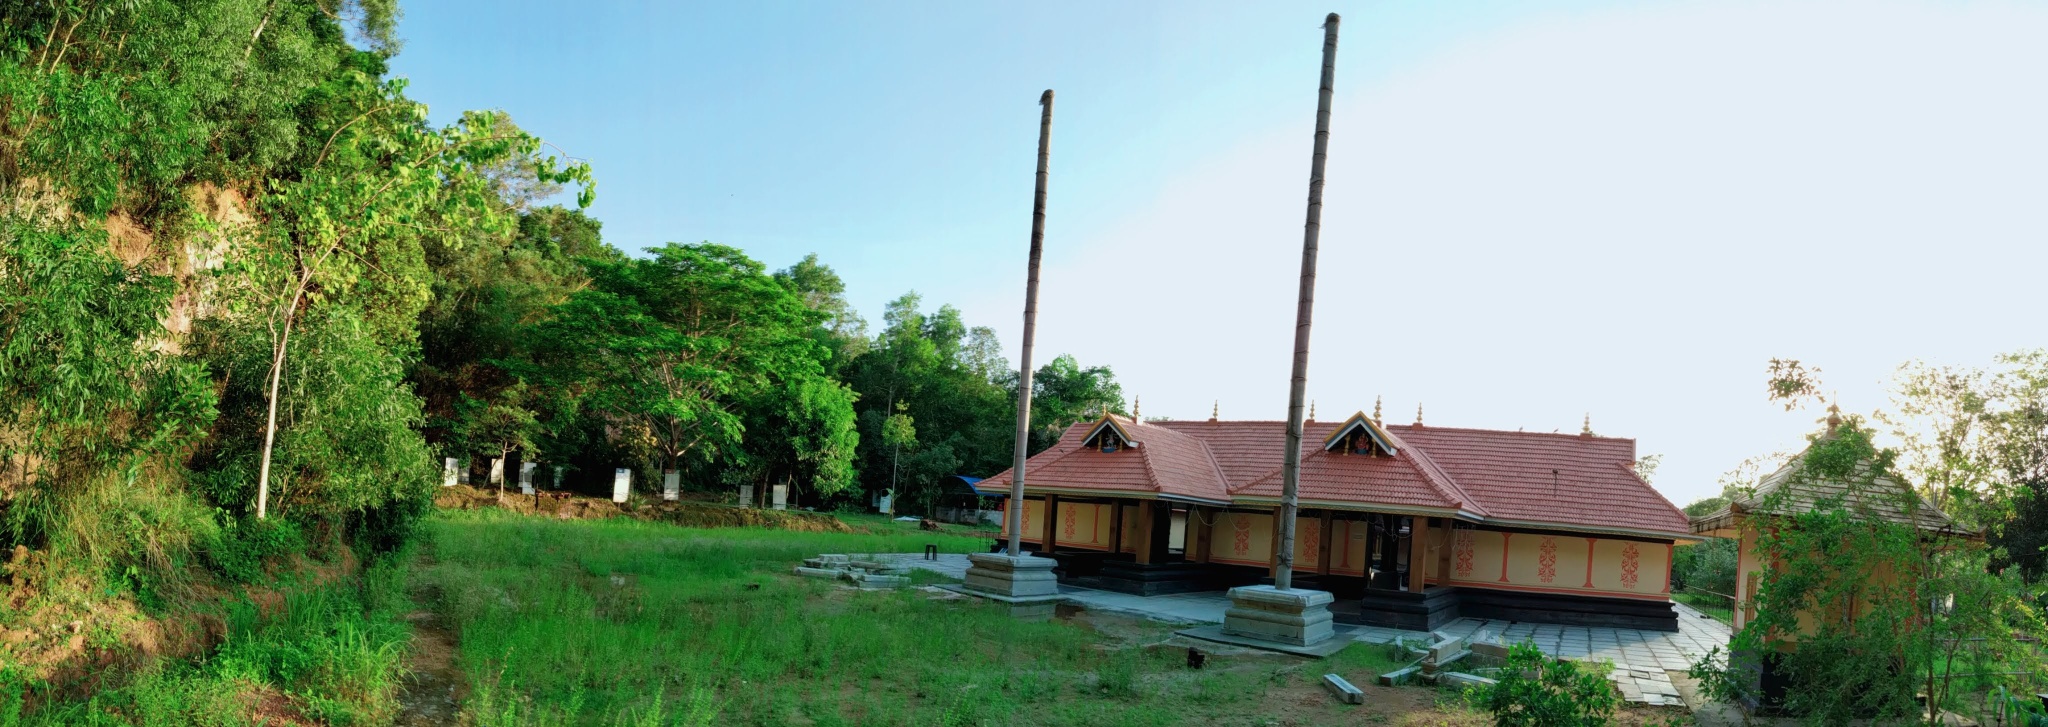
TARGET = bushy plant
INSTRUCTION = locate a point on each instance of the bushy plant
(1535, 690)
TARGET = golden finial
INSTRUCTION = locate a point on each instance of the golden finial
(1214, 408)
(1135, 400)
(1376, 411)
(1418, 413)
(1311, 410)
(1834, 417)
(1586, 430)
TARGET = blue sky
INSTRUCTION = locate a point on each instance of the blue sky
(1536, 211)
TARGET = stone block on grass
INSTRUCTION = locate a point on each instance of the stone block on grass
(1461, 679)
(1400, 676)
(1343, 690)
(1296, 616)
(809, 572)
(1023, 576)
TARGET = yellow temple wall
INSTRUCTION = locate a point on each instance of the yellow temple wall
(1082, 525)
(1242, 538)
(1560, 563)
(1246, 538)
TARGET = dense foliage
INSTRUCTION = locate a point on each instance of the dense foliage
(1535, 690)
(250, 297)
(1859, 610)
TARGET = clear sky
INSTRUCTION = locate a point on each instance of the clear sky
(1535, 211)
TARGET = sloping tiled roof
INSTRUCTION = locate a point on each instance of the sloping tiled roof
(1482, 474)
(1510, 473)
(1161, 462)
(1885, 498)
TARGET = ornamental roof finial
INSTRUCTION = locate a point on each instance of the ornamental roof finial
(1135, 400)
(1586, 430)
(1311, 410)
(1213, 408)
(1418, 413)
(1376, 411)
(1834, 418)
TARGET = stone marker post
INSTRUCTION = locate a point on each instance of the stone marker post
(746, 495)
(671, 485)
(1279, 612)
(526, 477)
(622, 484)
(497, 470)
(449, 476)
(778, 497)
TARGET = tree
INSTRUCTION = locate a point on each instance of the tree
(898, 431)
(501, 425)
(1860, 608)
(671, 347)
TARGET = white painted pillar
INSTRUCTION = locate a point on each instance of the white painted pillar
(780, 497)
(497, 470)
(671, 485)
(449, 476)
(622, 484)
(746, 495)
(526, 477)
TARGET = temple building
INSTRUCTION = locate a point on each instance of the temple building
(1409, 526)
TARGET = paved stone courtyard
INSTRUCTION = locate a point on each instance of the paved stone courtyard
(1642, 659)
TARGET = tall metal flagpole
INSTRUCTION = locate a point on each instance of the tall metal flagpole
(1015, 518)
(1290, 465)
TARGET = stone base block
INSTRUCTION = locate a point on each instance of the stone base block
(1295, 616)
(1023, 576)
(1033, 611)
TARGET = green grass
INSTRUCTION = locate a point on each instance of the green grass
(626, 623)
(329, 651)
(1714, 606)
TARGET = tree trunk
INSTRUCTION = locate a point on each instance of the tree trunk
(1014, 521)
(270, 426)
(1290, 465)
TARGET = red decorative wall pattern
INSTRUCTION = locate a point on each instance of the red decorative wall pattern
(1241, 535)
(1463, 553)
(1067, 525)
(1504, 538)
(1629, 557)
(1546, 560)
(1589, 561)
(1311, 541)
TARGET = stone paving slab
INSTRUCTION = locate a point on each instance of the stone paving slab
(1642, 659)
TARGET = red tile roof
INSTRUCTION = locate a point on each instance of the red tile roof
(1479, 474)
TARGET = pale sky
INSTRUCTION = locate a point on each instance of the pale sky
(1532, 214)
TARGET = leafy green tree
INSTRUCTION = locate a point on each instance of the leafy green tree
(502, 425)
(1063, 392)
(670, 348)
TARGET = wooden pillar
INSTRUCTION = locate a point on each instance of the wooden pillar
(1145, 553)
(1200, 522)
(1418, 551)
(1116, 526)
(1160, 514)
(1051, 524)
(1324, 534)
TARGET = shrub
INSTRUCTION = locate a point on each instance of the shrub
(1538, 691)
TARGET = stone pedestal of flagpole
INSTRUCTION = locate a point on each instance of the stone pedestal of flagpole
(1026, 582)
(1295, 617)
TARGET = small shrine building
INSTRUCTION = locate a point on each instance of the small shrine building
(1409, 526)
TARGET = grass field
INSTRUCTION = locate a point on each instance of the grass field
(619, 622)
